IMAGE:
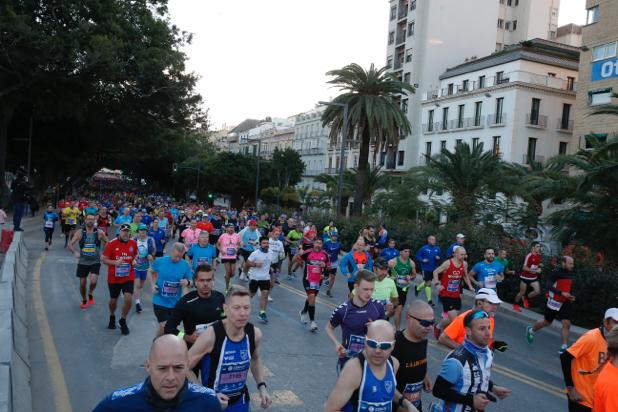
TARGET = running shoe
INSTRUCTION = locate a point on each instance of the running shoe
(138, 307)
(314, 326)
(562, 349)
(526, 303)
(329, 294)
(83, 305)
(516, 308)
(112, 323)
(263, 317)
(529, 334)
(90, 300)
(303, 317)
(270, 299)
(123, 326)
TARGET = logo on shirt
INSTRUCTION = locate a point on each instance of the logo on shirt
(244, 355)
(388, 385)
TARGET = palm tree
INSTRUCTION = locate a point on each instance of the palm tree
(375, 117)
(331, 182)
(467, 174)
(376, 180)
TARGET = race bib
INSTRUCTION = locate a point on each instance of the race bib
(70, 221)
(490, 282)
(123, 270)
(366, 406)
(89, 249)
(170, 289)
(203, 261)
(294, 250)
(360, 266)
(402, 281)
(230, 251)
(49, 224)
(232, 377)
(554, 304)
(453, 286)
(201, 328)
(356, 345)
(412, 392)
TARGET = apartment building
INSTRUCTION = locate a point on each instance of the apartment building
(311, 141)
(251, 141)
(279, 139)
(426, 37)
(570, 34)
(598, 71)
(518, 103)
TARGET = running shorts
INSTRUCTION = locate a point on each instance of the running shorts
(116, 288)
(84, 270)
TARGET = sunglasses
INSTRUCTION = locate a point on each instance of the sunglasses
(424, 323)
(480, 315)
(374, 344)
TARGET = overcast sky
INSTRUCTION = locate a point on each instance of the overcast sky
(259, 58)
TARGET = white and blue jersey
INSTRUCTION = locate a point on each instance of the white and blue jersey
(373, 394)
(487, 273)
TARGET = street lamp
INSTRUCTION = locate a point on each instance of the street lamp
(344, 132)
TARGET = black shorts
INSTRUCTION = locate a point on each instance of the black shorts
(116, 288)
(261, 284)
(162, 313)
(427, 275)
(244, 253)
(528, 282)
(308, 289)
(84, 270)
(228, 260)
(403, 294)
(449, 304)
(563, 314)
(332, 271)
(286, 250)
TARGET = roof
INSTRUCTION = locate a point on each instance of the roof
(536, 50)
(245, 125)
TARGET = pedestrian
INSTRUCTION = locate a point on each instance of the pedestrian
(19, 196)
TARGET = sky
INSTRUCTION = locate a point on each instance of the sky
(259, 58)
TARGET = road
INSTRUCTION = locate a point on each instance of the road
(76, 360)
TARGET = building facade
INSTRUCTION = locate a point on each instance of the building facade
(518, 103)
(598, 71)
(426, 37)
(570, 34)
(279, 139)
(311, 142)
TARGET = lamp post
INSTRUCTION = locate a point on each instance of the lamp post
(344, 132)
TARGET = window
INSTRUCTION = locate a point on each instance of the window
(604, 51)
(411, 29)
(382, 158)
(389, 62)
(460, 116)
(592, 15)
(445, 118)
(391, 37)
(531, 153)
(413, 5)
(430, 122)
(566, 116)
(599, 137)
(478, 108)
(516, 3)
(552, 34)
(442, 145)
(450, 88)
(475, 142)
(570, 83)
(551, 74)
(464, 85)
(514, 25)
(427, 151)
(499, 77)
(481, 83)
(404, 105)
(406, 78)
(500, 23)
(601, 96)
(393, 12)
(562, 148)
(507, 26)
(535, 108)
(499, 107)
(400, 158)
(495, 148)
(408, 55)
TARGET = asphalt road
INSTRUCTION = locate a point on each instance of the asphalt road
(76, 360)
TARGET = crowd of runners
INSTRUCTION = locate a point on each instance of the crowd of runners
(399, 295)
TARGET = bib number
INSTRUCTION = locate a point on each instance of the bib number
(490, 282)
(360, 266)
(412, 392)
(70, 221)
(203, 261)
(201, 328)
(402, 281)
(123, 270)
(554, 304)
(89, 249)
(49, 224)
(453, 286)
(170, 289)
(356, 345)
(231, 251)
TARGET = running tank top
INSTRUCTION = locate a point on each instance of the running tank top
(141, 261)
(401, 271)
(373, 394)
(451, 280)
(89, 253)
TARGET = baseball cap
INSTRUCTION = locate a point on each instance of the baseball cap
(125, 226)
(460, 235)
(489, 295)
(252, 222)
(611, 313)
(381, 263)
(142, 227)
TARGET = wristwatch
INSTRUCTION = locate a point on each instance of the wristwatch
(261, 384)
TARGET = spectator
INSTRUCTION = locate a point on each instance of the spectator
(19, 197)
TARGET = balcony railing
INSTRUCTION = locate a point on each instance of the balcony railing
(311, 151)
(401, 37)
(474, 122)
(527, 159)
(403, 11)
(565, 125)
(398, 64)
(496, 119)
(428, 128)
(536, 120)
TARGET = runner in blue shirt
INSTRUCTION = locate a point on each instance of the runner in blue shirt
(488, 273)
(333, 249)
(459, 241)
(160, 237)
(125, 217)
(429, 257)
(202, 253)
(390, 252)
(167, 276)
(50, 217)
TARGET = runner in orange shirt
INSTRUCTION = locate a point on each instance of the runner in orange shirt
(582, 362)
(606, 387)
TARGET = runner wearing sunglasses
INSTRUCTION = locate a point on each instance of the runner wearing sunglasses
(368, 381)
(411, 352)
(464, 382)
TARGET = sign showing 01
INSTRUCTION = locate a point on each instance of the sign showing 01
(605, 69)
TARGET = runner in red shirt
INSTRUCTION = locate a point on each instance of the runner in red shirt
(529, 276)
(205, 224)
(453, 271)
(119, 256)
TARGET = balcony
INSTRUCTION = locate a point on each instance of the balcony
(537, 121)
(401, 38)
(456, 124)
(496, 120)
(331, 170)
(403, 11)
(398, 64)
(564, 126)
(311, 151)
(527, 159)
(428, 128)
(474, 122)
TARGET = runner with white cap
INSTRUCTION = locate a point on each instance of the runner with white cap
(459, 241)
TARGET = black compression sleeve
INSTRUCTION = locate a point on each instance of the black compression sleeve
(442, 390)
(566, 360)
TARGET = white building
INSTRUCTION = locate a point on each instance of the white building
(426, 37)
(518, 102)
(570, 34)
(311, 142)
(248, 139)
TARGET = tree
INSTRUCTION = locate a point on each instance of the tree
(330, 193)
(375, 181)
(467, 174)
(289, 167)
(375, 117)
(401, 202)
